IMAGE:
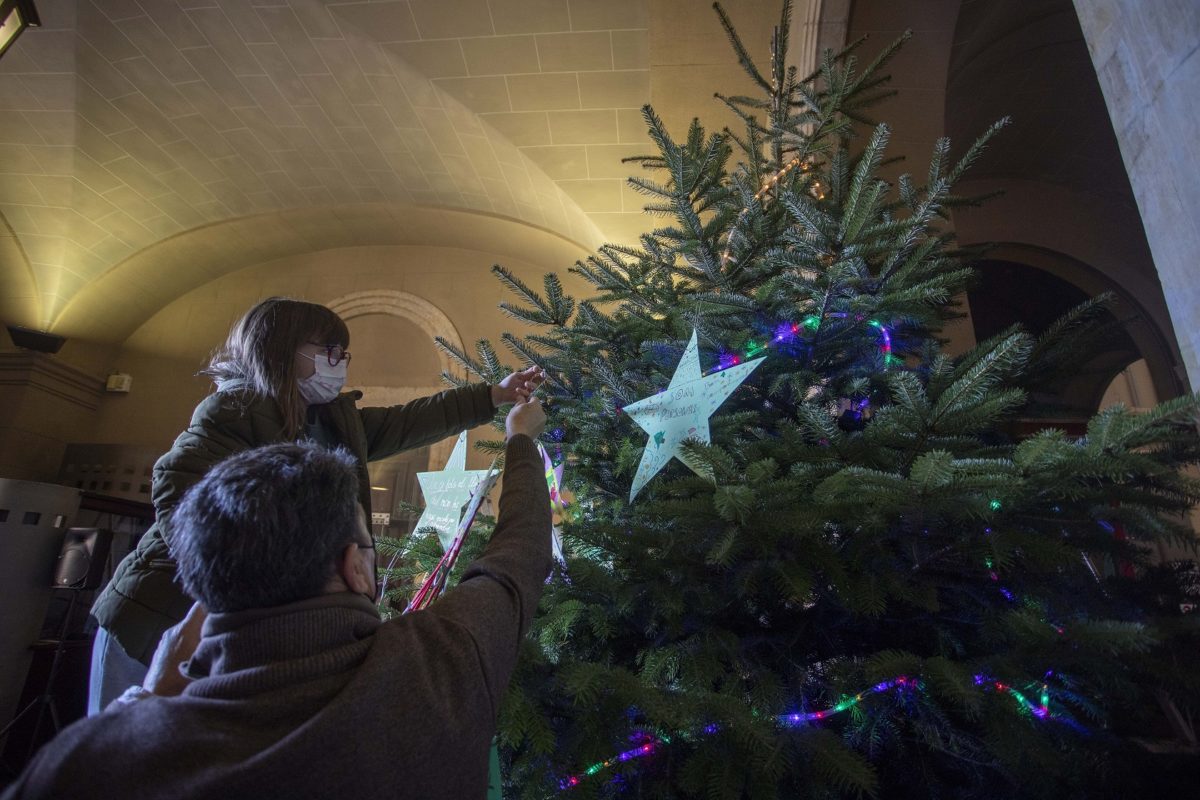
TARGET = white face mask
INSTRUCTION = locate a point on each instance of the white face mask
(324, 384)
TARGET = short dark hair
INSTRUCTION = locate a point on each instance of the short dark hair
(266, 526)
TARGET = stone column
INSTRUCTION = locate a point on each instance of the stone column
(1145, 58)
(817, 25)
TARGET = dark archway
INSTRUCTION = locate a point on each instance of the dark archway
(1008, 292)
(1067, 213)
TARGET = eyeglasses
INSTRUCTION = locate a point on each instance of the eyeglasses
(334, 352)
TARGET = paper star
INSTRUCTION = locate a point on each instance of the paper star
(681, 411)
(446, 493)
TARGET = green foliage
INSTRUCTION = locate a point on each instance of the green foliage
(796, 564)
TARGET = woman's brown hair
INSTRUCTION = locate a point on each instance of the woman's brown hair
(261, 351)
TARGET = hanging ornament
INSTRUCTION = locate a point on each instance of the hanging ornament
(446, 493)
(558, 505)
(853, 415)
(681, 411)
(554, 474)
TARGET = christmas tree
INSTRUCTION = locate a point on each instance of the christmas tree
(821, 565)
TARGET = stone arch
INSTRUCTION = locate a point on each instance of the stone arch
(429, 318)
(1153, 343)
(425, 314)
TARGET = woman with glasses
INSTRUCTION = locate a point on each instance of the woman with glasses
(278, 378)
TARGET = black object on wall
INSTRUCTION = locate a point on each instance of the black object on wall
(41, 341)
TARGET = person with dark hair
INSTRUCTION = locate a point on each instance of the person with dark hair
(296, 688)
(279, 378)
(298, 532)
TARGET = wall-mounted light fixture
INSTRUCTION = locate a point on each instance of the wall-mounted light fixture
(16, 16)
(29, 339)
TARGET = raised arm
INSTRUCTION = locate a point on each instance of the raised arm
(431, 419)
(426, 420)
(499, 591)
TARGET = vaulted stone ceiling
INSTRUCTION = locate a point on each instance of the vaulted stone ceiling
(137, 129)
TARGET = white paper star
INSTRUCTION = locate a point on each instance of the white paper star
(681, 411)
(446, 493)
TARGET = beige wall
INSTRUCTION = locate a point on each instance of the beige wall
(44, 404)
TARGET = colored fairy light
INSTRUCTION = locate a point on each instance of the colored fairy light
(994, 505)
(1040, 710)
(637, 752)
(847, 702)
(887, 340)
(787, 331)
(1012, 598)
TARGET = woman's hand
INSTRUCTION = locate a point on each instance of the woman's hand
(518, 386)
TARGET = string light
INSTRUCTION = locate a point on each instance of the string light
(641, 751)
(766, 187)
(786, 332)
(900, 682)
(1012, 598)
(1041, 711)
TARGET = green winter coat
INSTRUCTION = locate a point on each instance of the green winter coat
(143, 599)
